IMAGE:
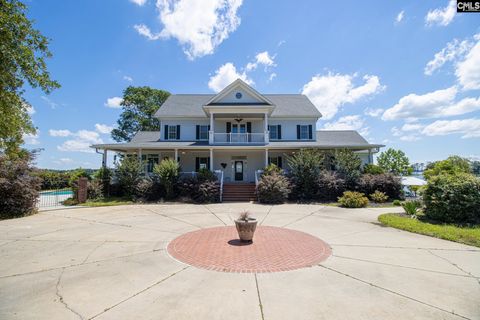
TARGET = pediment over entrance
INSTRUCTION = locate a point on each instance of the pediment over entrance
(239, 93)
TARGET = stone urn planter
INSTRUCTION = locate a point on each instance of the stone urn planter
(246, 226)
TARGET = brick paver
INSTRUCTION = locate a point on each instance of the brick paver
(273, 249)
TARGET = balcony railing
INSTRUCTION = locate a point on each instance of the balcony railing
(239, 138)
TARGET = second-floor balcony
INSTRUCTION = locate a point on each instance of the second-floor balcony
(238, 138)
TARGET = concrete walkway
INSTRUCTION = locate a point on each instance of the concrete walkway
(111, 263)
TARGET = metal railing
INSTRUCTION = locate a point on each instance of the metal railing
(53, 198)
(241, 138)
(219, 174)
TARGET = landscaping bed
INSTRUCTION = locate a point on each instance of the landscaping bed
(463, 234)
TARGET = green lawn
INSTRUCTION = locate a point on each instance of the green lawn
(102, 202)
(466, 235)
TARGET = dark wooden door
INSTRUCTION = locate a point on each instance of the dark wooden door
(238, 170)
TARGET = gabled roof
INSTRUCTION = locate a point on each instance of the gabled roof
(235, 85)
(190, 105)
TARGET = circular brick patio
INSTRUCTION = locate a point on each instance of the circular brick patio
(273, 249)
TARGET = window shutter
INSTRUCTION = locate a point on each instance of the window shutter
(208, 163)
(279, 132)
(310, 132)
(197, 164)
(178, 132)
(166, 132)
(249, 127)
(208, 127)
(197, 132)
(280, 162)
(298, 132)
(229, 127)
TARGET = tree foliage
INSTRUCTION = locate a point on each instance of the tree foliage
(394, 161)
(305, 168)
(129, 174)
(167, 172)
(348, 165)
(139, 105)
(23, 54)
(451, 165)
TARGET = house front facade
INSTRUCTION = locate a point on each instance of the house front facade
(236, 132)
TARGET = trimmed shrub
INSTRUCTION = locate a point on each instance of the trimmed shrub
(330, 186)
(397, 202)
(348, 165)
(378, 197)
(76, 174)
(273, 188)
(353, 199)
(129, 173)
(53, 179)
(453, 198)
(373, 169)
(206, 175)
(411, 207)
(206, 192)
(271, 168)
(305, 168)
(386, 183)
(19, 187)
(167, 172)
(94, 189)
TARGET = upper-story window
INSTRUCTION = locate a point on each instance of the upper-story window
(203, 132)
(275, 132)
(304, 132)
(172, 132)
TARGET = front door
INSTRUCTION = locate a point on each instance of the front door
(238, 170)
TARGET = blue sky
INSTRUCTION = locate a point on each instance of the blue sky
(403, 73)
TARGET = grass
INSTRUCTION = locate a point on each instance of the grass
(465, 235)
(102, 202)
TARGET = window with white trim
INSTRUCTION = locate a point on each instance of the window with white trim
(273, 132)
(172, 132)
(149, 161)
(203, 163)
(304, 132)
(203, 132)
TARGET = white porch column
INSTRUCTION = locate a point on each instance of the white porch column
(140, 155)
(104, 159)
(211, 159)
(176, 154)
(267, 135)
(266, 157)
(212, 130)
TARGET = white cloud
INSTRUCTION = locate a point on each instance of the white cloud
(373, 112)
(400, 16)
(114, 102)
(468, 70)
(262, 58)
(469, 128)
(199, 26)
(139, 2)
(59, 133)
(146, 32)
(103, 128)
(64, 160)
(80, 142)
(31, 139)
(225, 75)
(442, 16)
(436, 104)
(329, 92)
(128, 78)
(50, 102)
(352, 122)
(75, 146)
(405, 137)
(412, 127)
(410, 138)
(272, 76)
(452, 52)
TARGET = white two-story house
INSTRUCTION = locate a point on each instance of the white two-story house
(237, 132)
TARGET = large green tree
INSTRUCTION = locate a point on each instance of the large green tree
(23, 51)
(139, 105)
(394, 161)
(452, 165)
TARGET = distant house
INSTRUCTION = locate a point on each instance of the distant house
(237, 131)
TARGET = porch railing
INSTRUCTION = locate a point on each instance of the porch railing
(258, 174)
(238, 138)
(219, 174)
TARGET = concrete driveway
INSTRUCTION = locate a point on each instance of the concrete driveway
(111, 263)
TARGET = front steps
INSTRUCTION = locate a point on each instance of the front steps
(240, 192)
